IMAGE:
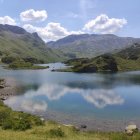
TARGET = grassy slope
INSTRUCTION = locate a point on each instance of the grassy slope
(40, 133)
(127, 65)
(24, 45)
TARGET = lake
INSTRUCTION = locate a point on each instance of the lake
(101, 101)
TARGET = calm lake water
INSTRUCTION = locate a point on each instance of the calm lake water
(97, 100)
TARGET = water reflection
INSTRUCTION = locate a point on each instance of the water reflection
(102, 98)
(34, 106)
(30, 100)
(91, 95)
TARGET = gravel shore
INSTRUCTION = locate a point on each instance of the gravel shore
(10, 89)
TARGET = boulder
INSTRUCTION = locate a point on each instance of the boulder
(131, 129)
(2, 86)
(2, 83)
(129, 132)
(2, 98)
(83, 126)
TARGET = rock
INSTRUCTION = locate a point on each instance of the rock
(129, 132)
(68, 125)
(2, 86)
(59, 127)
(131, 129)
(3, 98)
(42, 119)
(2, 83)
(83, 126)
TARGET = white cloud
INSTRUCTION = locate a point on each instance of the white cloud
(31, 15)
(30, 28)
(53, 31)
(7, 20)
(103, 24)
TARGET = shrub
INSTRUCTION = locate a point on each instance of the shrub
(1, 53)
(17, 120)
(38, 121)
(20, 64)
(33, 60)
(4, 114)
(8, 59)
(7, 124)
(21, 124)
(56, 132)
(34, 120)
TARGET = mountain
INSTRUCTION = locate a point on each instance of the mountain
(87, 45)
(17, 42)
(127, 59)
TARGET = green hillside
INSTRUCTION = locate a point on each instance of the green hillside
(16, 42)
(125, 60)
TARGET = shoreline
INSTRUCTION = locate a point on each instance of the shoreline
(10, 89)
(94, 124)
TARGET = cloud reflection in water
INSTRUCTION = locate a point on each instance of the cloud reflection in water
(98, 97)
(33, 106)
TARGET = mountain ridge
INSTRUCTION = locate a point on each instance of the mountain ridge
(89, 45)
(17, 42)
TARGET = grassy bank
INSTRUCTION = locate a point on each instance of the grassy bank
(21, 126)
(54, 131)
(17, 121)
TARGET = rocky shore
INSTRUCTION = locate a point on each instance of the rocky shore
(8, 87)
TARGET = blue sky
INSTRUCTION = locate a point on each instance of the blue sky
(54, 19)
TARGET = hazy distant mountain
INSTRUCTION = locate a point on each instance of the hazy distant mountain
(87, 45)
(17, 42)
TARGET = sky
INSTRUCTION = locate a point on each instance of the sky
(55, 19)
